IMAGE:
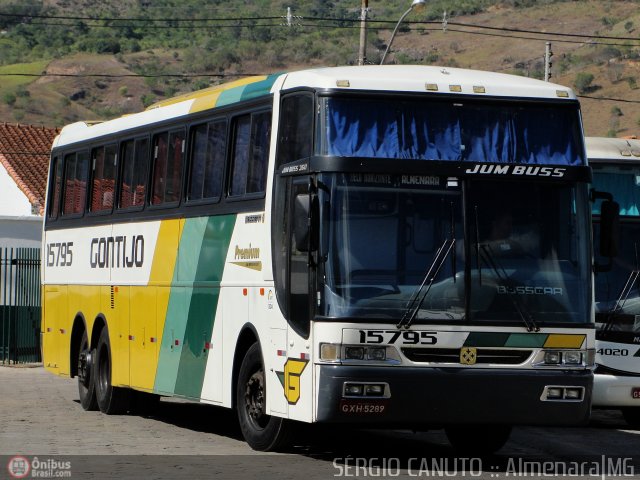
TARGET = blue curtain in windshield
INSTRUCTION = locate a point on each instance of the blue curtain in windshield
(624, 188)
(531, 134)
(366, 130)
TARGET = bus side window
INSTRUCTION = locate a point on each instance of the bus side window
(250, 153)
(133, 185)
(207, 160)
(295, 138)
(103, 178)
(54, 189)
(75, 183)
(167, 171)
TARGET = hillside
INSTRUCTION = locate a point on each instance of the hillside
(114, 59)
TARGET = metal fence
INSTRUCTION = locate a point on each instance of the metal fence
(20, 310)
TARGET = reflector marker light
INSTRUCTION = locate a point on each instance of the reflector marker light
(131, 337)
(478, 89)
(152, 339)
(176, 342)
(455, 88)
(305, 356)
(282, 353)
(342, 83)
(562, 93)
(431, 87)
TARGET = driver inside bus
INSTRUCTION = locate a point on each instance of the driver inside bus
(504, 240)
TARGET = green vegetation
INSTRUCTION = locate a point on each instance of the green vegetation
(162, 48)
(13, 82)
(583, 82)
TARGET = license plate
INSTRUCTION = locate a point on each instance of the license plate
(635, 393)
(364, 407)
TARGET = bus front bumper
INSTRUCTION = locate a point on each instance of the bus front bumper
(420, 397)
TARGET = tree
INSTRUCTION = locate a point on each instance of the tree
(583, 82)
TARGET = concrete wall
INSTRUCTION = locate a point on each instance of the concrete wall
(20, 232)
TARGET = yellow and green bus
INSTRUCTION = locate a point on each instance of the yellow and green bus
(395, 246)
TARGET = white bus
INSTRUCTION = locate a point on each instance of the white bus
(616, 171)
(397, 246)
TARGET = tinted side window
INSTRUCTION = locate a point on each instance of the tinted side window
(296, 129)
(75, 183)
(240, 155)
(103, 178)
(260, 136)
(168, 155)
(250, 153)
(55, 187)
(135, 155)
(207, 160)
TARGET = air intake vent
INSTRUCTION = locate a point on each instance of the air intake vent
(452, 355)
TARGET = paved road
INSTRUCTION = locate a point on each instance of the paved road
(41, 420)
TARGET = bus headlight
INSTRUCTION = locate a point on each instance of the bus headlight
(564, 358)
(368, 354)
(572, 358)
(552, 358)
(354, 353)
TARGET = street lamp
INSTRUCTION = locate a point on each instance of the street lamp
(418, 5)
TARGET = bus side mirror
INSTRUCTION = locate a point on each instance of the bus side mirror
(609, 228)
(305, 222)
(301, 224)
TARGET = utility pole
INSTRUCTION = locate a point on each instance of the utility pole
(362, 52)
(547, 61)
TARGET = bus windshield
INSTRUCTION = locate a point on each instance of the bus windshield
(618, 290)
(517, 249)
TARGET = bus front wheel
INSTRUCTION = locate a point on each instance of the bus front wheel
(111, 400)
(86, 375)
(261, 431)
(478, 439)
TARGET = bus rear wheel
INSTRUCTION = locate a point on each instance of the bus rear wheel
(86, 375)
(261, 431)
(478, 439)
(111, 400)
(632, 416)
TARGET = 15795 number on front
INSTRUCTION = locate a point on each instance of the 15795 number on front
(405, 337)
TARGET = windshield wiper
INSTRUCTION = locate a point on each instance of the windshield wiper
(413, 306)
(622, 298)
(503, 279)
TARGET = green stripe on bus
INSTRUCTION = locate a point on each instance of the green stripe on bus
(179, 303)
(260, 88)
(232, 95)
(204, 302)
(526, 340)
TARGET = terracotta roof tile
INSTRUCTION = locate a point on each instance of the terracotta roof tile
(24, 152)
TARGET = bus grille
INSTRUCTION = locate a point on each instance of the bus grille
(452, 355)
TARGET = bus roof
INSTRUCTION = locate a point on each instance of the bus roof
(418, 78)
(398, 78)
(618, 149)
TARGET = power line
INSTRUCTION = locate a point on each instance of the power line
(132, 75)
(173, 20)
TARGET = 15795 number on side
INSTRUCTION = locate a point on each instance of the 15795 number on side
(406, 337)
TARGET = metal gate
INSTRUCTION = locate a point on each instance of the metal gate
(20, 311)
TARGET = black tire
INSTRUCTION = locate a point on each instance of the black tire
(478, 439)
(111, 400)
(261, 431)
(632, 417)
(86, 375)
